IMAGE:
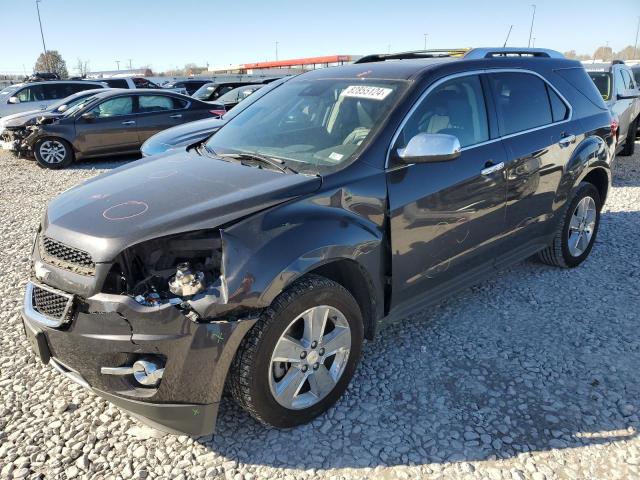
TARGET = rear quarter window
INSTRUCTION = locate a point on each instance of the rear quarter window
(578, 79)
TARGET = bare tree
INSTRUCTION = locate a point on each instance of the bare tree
(626, 53)
(52, 63)
(603, 53)
(82, 67)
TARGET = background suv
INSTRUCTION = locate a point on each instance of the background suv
(619, 90)
(22, 97)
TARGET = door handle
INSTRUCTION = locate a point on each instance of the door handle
(177, 115)
(566, 141)
(493, 168)
(129, 122)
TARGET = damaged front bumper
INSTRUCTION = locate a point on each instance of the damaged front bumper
(105, 332)
(14, 140)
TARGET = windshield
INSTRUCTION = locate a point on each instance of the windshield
(78, 106)
(603, 83)
(313, 125)
(9, 90)
(70, 101)
(238, 94)
(205, 91)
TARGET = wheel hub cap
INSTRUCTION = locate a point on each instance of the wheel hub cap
(582, 226)
(310, 357)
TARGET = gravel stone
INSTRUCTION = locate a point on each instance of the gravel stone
(533, 373)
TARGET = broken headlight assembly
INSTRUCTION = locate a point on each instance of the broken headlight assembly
(179, 270)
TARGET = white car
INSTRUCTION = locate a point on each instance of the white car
(23, 97)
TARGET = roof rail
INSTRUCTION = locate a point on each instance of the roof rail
(435, 53)
(478, 53)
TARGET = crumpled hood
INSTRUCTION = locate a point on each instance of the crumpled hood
(163, 195)
(26, 118)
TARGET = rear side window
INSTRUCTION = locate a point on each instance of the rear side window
(559, 109)
(578, 79)
(154, 103)
(619, 83)
(179, 104)
(456, 108)
(116, 83)
(521, 100)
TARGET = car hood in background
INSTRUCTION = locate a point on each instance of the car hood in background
(27, 118)
(164, 195)
(20, 116)
(181, 135)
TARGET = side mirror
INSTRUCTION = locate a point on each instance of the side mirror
(63, 108)
(628, 94)
(88, 117)
(430, 147)
(14, 100)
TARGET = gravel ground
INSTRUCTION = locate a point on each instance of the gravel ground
(533, 374)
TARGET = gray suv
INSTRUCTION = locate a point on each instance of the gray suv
(620, 92)
(23, 97)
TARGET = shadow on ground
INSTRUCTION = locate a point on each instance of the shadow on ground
(524, 361)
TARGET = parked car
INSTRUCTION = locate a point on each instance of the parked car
(618, 88)
(230, 99)
(23, 97)
(192, 133)
(109, 123)
(14, 128)
(129, 82)
(636, 73)
(347, 196)
(210, 92)
(190, 86)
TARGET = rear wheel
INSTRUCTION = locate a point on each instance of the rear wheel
(630, 142)
(53, 153)
(300, 356)
(577, 232)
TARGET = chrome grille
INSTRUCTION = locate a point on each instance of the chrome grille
(51, 303)
(66, 257)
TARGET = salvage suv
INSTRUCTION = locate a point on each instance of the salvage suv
(261, 259)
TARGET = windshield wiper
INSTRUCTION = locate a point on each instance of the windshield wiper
(271, 161)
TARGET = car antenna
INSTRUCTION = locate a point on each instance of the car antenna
(507, 39)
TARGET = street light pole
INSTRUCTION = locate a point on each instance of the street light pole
(531, 29)
(425, 40)
(44, 47)
(277, 51)
(118, 64)
(635, 45)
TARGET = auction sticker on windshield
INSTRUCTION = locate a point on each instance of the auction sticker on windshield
(364, 91)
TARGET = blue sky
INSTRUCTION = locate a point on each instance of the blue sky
(166, 34)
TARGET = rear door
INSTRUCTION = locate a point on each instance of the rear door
(159, 112)
(539, 137)
(446, 218)
(113, 128)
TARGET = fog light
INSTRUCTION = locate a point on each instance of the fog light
(147, 373)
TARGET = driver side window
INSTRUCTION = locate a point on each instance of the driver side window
(114, 107)
(456, 108)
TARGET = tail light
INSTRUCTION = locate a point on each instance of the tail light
(217, 113)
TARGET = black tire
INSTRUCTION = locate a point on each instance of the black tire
(558, 254)
(630, 142)
(251, 368)
(66, 155)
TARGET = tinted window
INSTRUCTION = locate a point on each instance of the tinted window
(559, 109)
(154, 103)
(116, 83)
(34, 93)
(578, 79)
(456, 108)
(628, 81)
(521, 100)
(636, 74)
(179, 104)
(602, 81)
(144, 83)
(619, 82)
(114, 107)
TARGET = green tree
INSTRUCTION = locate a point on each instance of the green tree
(51, 62)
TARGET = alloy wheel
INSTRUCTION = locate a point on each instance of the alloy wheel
(310, 357)
(52, 151)
(582, 226)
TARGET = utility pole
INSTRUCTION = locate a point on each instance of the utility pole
(44, 47)
(425, 40)
(533, 17)
(533, 43)
(118, 64)
(277, 51)
(635, 45)
(507, 39)
(389, 48)
(130, 67)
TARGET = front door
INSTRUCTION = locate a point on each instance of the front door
(111, 129)
(446, 218)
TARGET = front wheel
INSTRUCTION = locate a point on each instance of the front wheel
(577, 232)
(53, 153)
(300, 356)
